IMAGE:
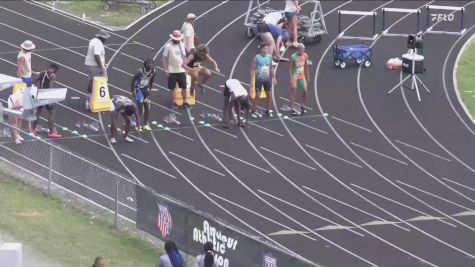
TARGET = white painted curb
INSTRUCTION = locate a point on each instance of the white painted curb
(454, 76)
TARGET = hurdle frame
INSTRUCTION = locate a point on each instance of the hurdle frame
(453, 9)
(400, 10)
(341, 35)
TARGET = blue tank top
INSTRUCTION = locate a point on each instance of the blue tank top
(263, 66)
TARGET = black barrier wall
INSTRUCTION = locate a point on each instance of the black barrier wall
(190, 229)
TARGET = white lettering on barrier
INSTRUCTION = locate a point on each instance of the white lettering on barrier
(442, 17)
(220, 241)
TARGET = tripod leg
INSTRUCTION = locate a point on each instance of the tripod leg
(425, 87)
(417, 90)
(398, 85)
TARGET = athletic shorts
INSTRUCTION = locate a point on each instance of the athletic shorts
(146, 94)
(262, 83)
(300, 83)
(263, 27)
(289, 15)
(94, 71)
(28, 81)
(175, 78)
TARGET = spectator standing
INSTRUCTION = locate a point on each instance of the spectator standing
(292, 9)
(172, 60)
(188, 31)
(15, 103)
(206, 259)
(24, 62)
(44, 81)
(95, 61)
(172, 258)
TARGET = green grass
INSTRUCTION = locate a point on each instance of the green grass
(466, 78)
(117, 17)
(66, 234)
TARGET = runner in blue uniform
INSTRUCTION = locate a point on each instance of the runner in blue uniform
(141, 85)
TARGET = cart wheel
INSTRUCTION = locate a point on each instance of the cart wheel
(143, 10)
(317, 39)
(107, 7)
(250, 32)
(359, 60)
(152, 5)
(337, 63)
(367, 63)
(342, 64)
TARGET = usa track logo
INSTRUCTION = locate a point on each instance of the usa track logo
(164, 220)
(269, 261)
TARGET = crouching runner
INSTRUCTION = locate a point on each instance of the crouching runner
(199, 74)
(235, 95)
(124, 106)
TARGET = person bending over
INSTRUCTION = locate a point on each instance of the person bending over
(198, 73)
(124, 106)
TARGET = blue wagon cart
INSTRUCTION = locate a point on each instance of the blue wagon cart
(143, 4)
(359, 53)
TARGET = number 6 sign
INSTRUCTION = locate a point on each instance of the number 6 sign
(100, 100)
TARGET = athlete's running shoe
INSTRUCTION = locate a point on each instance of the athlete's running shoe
(303, 110)
(113, 141)
(54, 135)
(129, 140)
(147, 127)
(294, 112)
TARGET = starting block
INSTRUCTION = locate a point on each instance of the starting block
(100, 100)
(252, 89)
(191, 100)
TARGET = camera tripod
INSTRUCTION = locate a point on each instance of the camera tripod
(414, 79)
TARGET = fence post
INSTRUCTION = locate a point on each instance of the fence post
(50, 168)
(116, 202)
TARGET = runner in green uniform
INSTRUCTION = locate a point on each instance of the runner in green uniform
(299, 77)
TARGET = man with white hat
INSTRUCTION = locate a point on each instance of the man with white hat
(95, 60)
(189, 33)
(24, 62)
(172, 60)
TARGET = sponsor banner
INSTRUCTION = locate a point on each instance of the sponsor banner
(190, 229)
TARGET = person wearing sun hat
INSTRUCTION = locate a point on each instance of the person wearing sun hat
(24, 62)
(172, 60)
(95, 60)
(188, 31)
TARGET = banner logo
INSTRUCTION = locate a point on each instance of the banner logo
(164, 220)
(269, 261)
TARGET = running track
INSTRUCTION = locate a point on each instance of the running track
(363, 179)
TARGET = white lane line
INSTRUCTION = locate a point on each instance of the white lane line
(422, 150)
(70, 191)
(308, 126)
(242, 161)
(179, 134)
(433, 195)
(138, 138)
(150, 166)
(375, 152)
(464, 213)
(264, 128)
(221, 131)
(352, 124)
(305, 210)
(353, 207)
(396, 202)
(144, 45)
(197, 164)
(287, 158)
(459, 184)
(287, 100)
(212, 89)
(331, 155)
(289, 232)
(262, 216)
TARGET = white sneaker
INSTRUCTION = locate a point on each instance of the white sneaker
(129, 140)
(113, 141)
